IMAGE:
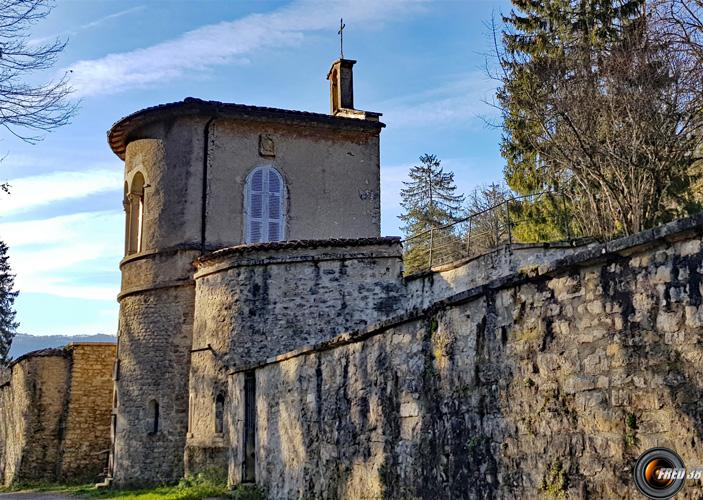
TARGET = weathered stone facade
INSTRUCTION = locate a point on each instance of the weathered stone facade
(308, 363)
(154, 345)
(253, 303)
(55, 410)
(186, 166)
(547, 381)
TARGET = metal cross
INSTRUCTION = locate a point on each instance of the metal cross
(341, 38)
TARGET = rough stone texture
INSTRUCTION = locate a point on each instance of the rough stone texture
(86, 440)
(194, 164)
(54, 415)
(154, 357)
(426, 288)
(250, 306)
(32, 407)
(253, 306)
(546, 382)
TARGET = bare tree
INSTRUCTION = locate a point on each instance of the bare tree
(614, 125)
(27, 108)
(680, 23)
(489, 221)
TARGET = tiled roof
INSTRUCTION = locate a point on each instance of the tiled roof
(52, 351)
(118, 134)
(293, 244)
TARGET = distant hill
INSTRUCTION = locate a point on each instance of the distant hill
(23, 343)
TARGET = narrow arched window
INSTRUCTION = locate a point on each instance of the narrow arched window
(134, 208)
(220, 413)
(153, 417)
(264, 195)
(335, 91)
(190, 413)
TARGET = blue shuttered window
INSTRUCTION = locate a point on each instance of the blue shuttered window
(264, 205)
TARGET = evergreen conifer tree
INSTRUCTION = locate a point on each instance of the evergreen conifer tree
(430, 202)
(8, 326)
(565, 91)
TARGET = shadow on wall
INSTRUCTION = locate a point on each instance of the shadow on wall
(395, 416)
(537, 385)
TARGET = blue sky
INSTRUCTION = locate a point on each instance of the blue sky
(420, 63)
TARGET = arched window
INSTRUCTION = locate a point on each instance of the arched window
(153, 417)
(264, 195)
(134, 208)
(190, 413)
(220, 413)
(335, 91)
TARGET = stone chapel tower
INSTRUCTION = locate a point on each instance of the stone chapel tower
(203, 175)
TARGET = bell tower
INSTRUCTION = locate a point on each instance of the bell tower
(341, 80)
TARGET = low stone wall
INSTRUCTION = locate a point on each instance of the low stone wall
(256, 301)
(55, 415)
(546, 382)
(426, 288)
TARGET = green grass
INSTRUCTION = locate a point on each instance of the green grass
(187, 489)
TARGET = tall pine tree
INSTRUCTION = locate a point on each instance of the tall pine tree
(593, 107)
(428, 198)
(430, 202)
(8, 326)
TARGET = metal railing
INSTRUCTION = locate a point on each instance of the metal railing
(502, 224)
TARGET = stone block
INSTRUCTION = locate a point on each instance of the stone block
(578, 383)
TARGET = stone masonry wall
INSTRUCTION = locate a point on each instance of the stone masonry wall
(55, 415)
(155, 339)
(261, 302)
(87, 435)
(544, 383)
(32, 406)
(426, 288)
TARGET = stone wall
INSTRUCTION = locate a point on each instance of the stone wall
(54, 415)
(426, 288)
(546, 382)
(32, 407)
(256, 302)
(86, 440)
(154, 343)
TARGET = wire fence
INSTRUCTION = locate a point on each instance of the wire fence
(535, 218)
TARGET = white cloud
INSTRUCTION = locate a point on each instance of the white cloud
(30, 192)
(82, 27)
(225, 42)
(461, 99)
(110, 17)
(47, 255)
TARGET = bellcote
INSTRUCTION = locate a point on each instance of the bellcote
(341, 80)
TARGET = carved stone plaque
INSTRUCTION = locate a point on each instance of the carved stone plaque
(266, 145)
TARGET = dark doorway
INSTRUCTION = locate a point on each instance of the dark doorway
(248, 472)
